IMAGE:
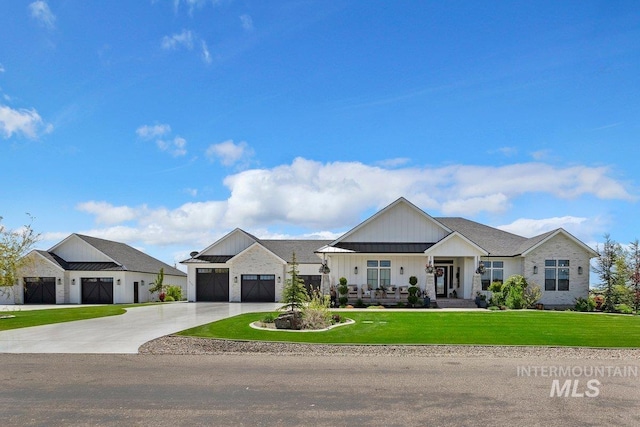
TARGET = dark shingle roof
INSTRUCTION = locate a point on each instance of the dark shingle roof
(384, 247)
(494, 241)
(129, 258)
(54, 259)
(304, 249)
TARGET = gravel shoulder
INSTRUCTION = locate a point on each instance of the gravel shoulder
(174, 344)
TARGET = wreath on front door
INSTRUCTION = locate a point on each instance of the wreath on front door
(439, 271)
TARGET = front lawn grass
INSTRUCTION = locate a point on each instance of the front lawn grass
(26, 318)
(529, 327)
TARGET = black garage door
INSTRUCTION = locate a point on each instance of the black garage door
(97, 290)
(258, 288)
(39, 290)
(212, 284)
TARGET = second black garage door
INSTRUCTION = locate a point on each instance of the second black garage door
(97, 290)
(212, 284)
(258, 288)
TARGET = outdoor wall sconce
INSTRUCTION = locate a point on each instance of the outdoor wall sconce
(355, 270)
(535, 269)
(118, 282)
(401, 270)
(580, 270)
(141, 282)
(73, 281)
(279, 279)
(235, 279)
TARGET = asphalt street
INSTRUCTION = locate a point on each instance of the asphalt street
(92, 389)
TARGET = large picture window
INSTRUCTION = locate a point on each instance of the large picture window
(493, 272)
(378, 273)
(556, 275)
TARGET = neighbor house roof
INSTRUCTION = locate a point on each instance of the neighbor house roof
(123, 256)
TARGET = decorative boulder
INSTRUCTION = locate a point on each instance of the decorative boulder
(289, 320)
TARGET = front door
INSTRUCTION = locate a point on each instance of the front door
(442, 280)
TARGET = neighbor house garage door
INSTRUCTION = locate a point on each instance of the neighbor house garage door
(97, 290)
(39, 290)
(212, 284)
(258, 288)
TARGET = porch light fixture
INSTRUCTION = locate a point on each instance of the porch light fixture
(279, 279)
(580, 270)
(355, 270)
(141, 282)
(535, 269)
(401, 270)
(73, 281)
(235, 279)
(59, 281)
(118, 282)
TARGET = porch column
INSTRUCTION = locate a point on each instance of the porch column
(430, 285)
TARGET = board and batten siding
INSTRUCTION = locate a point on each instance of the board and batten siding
(400, 224)
(78, 250)
(231, 244)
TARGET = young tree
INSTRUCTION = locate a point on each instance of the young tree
(294, 294)
(606, 270)
(158, 285)
(14, 245)
(633, 265)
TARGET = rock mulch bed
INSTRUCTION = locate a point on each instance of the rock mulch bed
(174, 344)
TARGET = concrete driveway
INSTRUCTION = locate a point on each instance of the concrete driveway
(124, 333)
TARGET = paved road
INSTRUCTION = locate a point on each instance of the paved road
(288, 390)
(120, 334)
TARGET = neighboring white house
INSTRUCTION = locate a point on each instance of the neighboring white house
(396, 243)
(87, 270)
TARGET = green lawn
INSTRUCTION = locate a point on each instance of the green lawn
(530, 327)
(26, 318)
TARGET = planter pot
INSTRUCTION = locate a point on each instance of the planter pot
(482, 304)
(427, 302)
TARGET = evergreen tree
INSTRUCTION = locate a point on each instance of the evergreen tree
(633, 264)
(294, 293)
(606, 270)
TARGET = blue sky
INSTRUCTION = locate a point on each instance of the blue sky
(166, 124)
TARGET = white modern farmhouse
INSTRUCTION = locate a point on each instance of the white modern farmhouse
(379, 256)
(87, 270)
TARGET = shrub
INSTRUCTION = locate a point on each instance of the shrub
(585, 304)
(168, 298)
(624, 309)
(400, 304)
(269, 318)
(532, 295)
(316, 314)
(515, 298)
(174, 292)
(514, 293)
(359, 303)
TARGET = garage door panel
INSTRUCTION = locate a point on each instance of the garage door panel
(97, 290)
(258, 288)
(39, 290)
(212, 284)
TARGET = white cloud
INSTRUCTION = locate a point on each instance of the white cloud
(22, 121)
(206, 56)
(311, 195)
(175, 146)
(230, 153)
(41, 12)
(154, 131)
(185, 38)
(393, 163)
(106, 213)
(247, 22)
(581, 227)
(2, 69)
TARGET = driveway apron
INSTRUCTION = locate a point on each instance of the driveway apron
(123, 333)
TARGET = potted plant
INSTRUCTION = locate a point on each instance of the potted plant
(481, 300)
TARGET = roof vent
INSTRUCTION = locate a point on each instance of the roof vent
(193, 254)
